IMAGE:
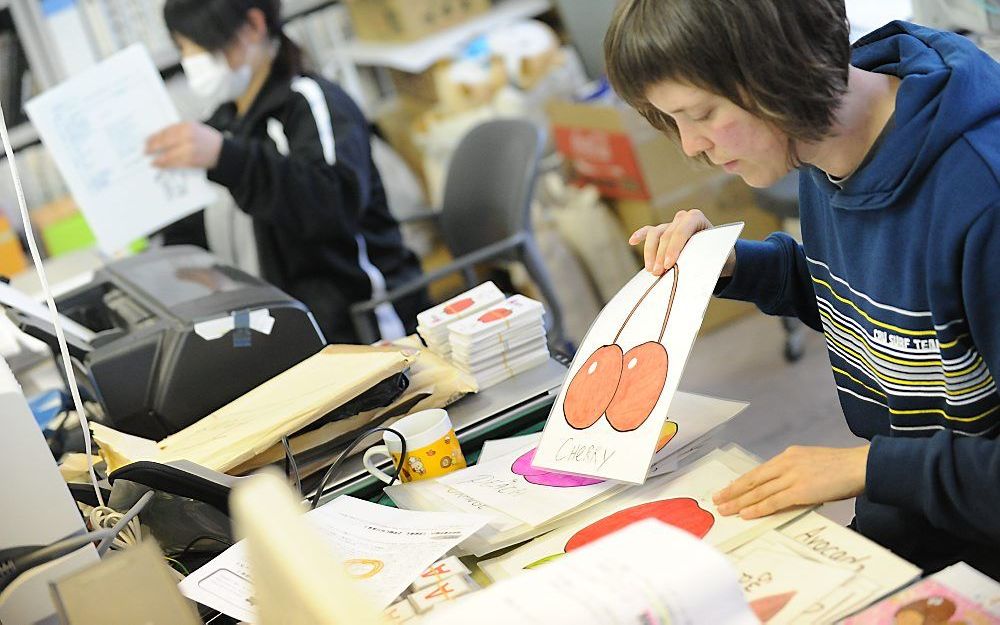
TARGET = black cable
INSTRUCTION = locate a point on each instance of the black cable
(183, 552)
(343, 456)
(11, 568)
(292, 464)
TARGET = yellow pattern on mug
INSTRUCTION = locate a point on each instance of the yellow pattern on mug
(439, 458)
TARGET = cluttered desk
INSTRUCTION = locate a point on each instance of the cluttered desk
(226, 464)
(500, 480)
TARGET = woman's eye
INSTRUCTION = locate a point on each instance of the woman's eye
(703, 117)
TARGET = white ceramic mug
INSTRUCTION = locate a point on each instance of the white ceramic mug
(432, 449)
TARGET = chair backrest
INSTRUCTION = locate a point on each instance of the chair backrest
(490, 183)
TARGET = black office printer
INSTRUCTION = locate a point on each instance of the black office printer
(179, 335)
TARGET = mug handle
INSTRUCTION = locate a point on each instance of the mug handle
(377, 450)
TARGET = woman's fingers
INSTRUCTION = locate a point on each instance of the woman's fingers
(652, 240)
(662, 244)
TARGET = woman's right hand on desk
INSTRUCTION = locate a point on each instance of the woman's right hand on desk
(663, 243)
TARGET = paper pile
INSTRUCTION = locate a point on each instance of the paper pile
(253, 423)
(434, 382)
(501, 342)
(812, 570)
(432, 325)
(383, 549)
(645, 573)
(523, 501)
(684, 501)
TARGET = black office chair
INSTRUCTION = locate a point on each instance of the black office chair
(485, 215)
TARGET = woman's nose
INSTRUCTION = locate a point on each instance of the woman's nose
(694, 143)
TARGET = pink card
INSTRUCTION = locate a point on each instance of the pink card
(927, 601)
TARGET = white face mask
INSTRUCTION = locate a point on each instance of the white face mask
(212, 80)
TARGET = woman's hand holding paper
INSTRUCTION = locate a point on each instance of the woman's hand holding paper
(663, 243)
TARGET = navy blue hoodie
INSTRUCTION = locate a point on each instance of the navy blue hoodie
(900, 269)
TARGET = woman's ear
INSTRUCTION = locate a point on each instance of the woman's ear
(257, 25)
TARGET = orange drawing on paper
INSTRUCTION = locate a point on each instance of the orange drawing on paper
(667, 434)
(495, 315)
(456, 307)
(363, 568)
(766, 608)
(927, 611)
(624, 386)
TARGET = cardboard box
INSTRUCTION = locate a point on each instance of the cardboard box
(615, 149)
(408, 20)
(437, 87)
(399, 126)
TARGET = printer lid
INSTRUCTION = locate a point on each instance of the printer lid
(183, 274)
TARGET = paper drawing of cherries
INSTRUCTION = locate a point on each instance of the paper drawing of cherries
(456, 307)
(681, 512)
(624, 386)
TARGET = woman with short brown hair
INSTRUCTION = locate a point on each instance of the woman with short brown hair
(897, 139)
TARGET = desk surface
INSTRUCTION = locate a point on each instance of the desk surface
(501, 410)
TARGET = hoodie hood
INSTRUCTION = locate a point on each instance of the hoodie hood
(946, 90)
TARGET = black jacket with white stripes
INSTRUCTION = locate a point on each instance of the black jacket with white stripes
(299, 163)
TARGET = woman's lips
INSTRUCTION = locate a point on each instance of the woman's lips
(731, 166)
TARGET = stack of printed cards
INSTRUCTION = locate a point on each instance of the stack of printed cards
(500, 342)
(814, 571)
(432, 325)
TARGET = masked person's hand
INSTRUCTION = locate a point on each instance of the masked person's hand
(186, 145)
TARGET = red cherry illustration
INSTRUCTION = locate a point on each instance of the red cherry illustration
(495, 315)
(456, 307)
(591, 389)
(642, 380)
(626, 386)
(681, 512)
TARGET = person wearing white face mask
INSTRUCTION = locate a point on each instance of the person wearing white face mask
(303, 205)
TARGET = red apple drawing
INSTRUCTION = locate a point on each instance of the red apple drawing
(681, 512)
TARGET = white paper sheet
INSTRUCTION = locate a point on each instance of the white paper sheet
(815, 538)
(619, 448)
(780, 587)
(503, 446)
(501, 484)
(648, 573)
(384, 550)
(95, 125)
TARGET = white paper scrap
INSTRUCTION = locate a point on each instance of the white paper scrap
(383, 548)
(648, 572)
